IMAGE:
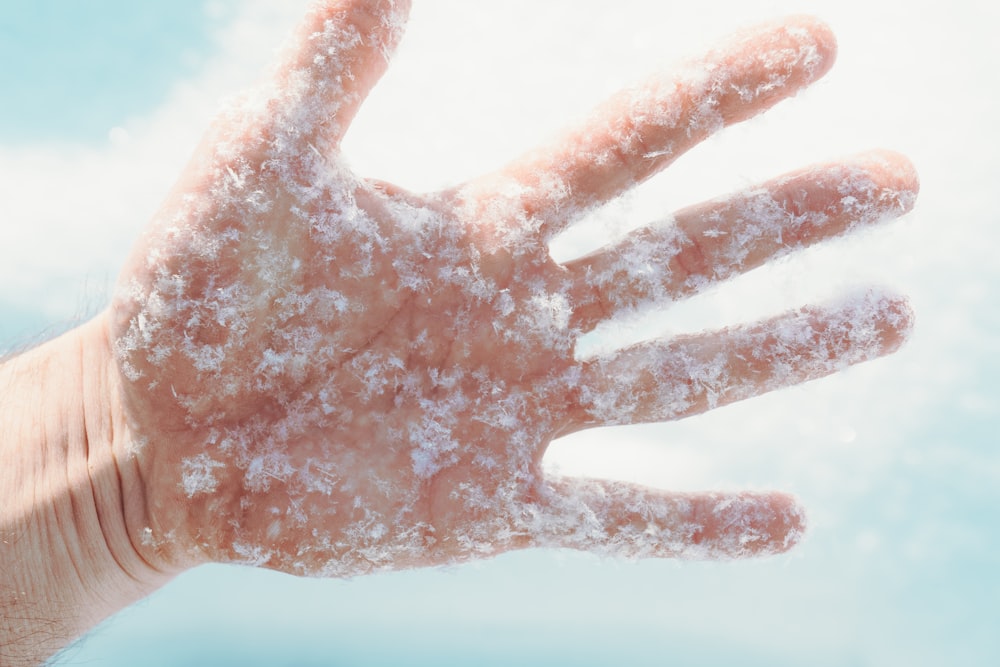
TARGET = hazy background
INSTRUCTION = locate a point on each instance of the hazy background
(897, 460)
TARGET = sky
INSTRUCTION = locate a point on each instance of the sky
(896, 461)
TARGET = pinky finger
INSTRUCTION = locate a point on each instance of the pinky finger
(627, 520)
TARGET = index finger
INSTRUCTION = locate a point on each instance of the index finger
(643, 129)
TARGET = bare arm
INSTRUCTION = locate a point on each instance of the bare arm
(66, 559)
(312, 371)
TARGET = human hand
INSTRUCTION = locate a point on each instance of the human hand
(325, 374)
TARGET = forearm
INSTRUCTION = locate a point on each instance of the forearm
(68, 501)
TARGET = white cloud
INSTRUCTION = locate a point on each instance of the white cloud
(71, 212)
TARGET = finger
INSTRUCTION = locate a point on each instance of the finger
(665, 380)
(337, 56)
(711, 242)
(641, 130)
(627, 520)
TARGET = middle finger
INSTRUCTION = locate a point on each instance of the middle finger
(710, 242)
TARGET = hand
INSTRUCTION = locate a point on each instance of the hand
(325, 374)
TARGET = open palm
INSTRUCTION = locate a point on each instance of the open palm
(326, 374)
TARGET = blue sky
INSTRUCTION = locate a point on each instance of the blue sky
(84, 67)
(896, 461)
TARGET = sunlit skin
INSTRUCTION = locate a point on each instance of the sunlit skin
(326, 374)
(310, 370)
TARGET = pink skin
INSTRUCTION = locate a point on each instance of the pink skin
(325, 374)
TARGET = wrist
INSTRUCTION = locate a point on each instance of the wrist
(72, 501)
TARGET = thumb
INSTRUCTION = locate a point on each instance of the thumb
(338, 54)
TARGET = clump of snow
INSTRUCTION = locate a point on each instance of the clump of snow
(198, 474)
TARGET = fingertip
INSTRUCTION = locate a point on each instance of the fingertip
(775, 61)
(881, 315)
(899, 319)
(896, 174)
(365, 13)
(789, 523)
(873, 186)
(896, 316)
(815, 34)
(753, 525)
